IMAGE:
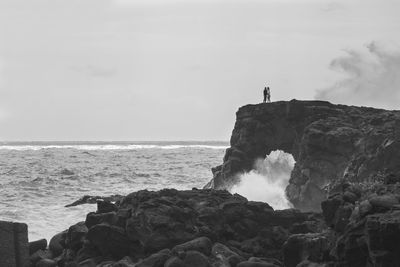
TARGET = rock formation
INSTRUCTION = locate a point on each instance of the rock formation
(179, 228)
(330, 144)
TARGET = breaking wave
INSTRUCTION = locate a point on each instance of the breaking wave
(268, 180)
(109, 147)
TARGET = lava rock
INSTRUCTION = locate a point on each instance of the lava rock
(37, 245)
(201, 244)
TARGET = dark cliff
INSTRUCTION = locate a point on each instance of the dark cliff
(330, 143)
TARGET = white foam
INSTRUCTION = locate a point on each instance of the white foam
(268, 180)
(107, 147)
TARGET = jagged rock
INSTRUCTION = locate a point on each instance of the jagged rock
(174, 262)
(66, 172)
(109, 240)
(75, 236)
(37, 245)
(40, 255)
(57, 243)
(301, 247)
(267, 260)
(94, 200)
(308, 263)
(196, 259)
(93, 218)
(46, 263)
(201, 244)
(255, 264)
(155, 260)
(329, 143)
(105, 206)
(220, 250)
(387, 201)
(382, 238)
(88, 263)
(124, 262)
(146, 222)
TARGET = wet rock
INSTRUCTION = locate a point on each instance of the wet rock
(201, 244)
(174, 262)
(66, 172)
(365, 207)
(125, 262)
(266, 260)
(301, 247)
(104, 206)
(40, 255)
(57, 243)
(195, 259)
(88, 263)
(75, 236)
(383, 235)
(219, 249)
(308, 263)
(46, 263)
(37, 245)
(329, 208)
(109, 240)
(255, 264)
(95, 199)
(350, 197)
(146, 222)
(384, 202)
(93, 218)
(155, 260)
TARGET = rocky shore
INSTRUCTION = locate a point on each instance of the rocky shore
(179, 228)
(359, 226)
(345, 187)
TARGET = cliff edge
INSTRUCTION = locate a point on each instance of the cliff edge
(330, 143)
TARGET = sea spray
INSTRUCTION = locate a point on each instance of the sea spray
(268, 180)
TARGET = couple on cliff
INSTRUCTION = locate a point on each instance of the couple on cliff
(267, 95)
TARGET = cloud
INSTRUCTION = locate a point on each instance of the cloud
(371, 77)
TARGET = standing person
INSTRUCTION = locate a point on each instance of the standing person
(265, 94)
(268, 95)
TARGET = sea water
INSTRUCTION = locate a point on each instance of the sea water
(37, 179)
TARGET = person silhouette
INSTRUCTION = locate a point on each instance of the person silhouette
(268, 95)
(265, 94)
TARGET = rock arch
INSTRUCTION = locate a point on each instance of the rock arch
(330, 143)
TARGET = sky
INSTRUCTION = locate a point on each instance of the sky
(179, 70)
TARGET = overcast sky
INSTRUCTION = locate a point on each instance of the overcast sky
(179, 69)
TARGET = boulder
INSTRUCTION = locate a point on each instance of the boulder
(196, 259)
(57, 243)
(109, 240)
(75, 236)
(201, 244)
(46, 263)
(37, 245)
(255, 264)
(174, 262)
(301, 247)
(155, 260)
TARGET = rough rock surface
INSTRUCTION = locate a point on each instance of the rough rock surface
(180, 228)
(329, 143)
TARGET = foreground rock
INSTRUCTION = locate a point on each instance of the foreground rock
(181, 228)
(364, 230)
(330, 143)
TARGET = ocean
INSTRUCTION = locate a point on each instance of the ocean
(37, 179)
